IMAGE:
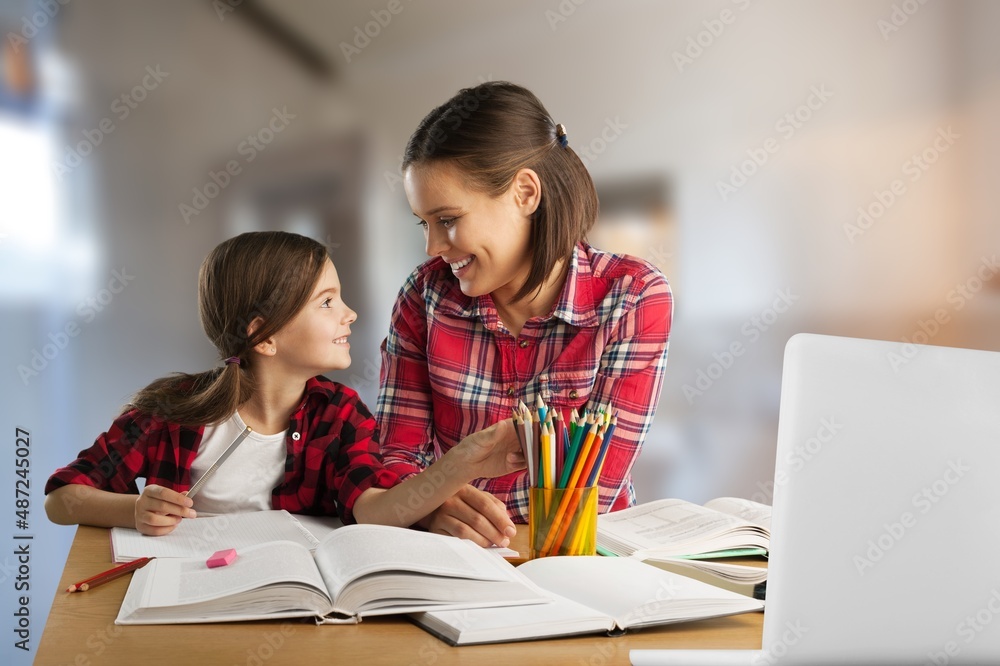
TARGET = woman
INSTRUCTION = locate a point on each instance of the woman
(513, 305)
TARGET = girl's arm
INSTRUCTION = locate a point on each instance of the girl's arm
(156, 511)
(491, 452)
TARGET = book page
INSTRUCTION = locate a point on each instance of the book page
(673, 526)
(748, 510)
(356, 550)
(182, 581)
(200, 537)
(631, 592)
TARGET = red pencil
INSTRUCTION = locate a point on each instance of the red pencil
(109, 575)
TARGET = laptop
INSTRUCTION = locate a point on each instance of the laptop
(885, 545)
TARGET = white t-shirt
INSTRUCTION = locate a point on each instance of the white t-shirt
(245, 481)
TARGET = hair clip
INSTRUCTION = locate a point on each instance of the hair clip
(561, 135)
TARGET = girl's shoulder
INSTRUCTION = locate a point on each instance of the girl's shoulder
(323, 392)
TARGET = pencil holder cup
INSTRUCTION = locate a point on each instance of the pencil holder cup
(562, 521)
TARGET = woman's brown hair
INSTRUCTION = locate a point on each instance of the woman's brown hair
(264, 275)
(490, 132)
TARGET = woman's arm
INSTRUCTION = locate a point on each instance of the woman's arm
(491, 452)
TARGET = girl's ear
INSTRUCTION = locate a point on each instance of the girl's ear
(265, 347)
(527, 189)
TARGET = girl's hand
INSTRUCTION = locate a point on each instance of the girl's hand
(494, 451)
(159, 510)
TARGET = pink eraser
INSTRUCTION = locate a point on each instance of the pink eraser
(222, 558)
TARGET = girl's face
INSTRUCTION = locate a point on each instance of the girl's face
(484, 240)
(315, 340)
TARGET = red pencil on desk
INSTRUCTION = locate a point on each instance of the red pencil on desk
(109, 575)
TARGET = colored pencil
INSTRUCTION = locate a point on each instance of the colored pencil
(109, 575)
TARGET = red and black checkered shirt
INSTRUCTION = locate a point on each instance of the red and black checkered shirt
(332, 454)
(451, 368)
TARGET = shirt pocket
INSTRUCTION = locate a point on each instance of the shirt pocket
(565, 389)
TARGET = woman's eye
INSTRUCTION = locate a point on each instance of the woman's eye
(421, 223)
(447, 222)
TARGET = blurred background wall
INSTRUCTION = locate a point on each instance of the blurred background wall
(791, 166)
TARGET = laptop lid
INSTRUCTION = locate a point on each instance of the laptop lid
(886, 517)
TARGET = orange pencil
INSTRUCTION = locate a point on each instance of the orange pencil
(589, 457)
(109, 575)
(557, 535)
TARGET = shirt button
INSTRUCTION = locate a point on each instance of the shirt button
(510, 391)
(573, 394)
(522, 344)
(296, 436)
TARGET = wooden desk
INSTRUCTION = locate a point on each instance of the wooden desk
(81, 631)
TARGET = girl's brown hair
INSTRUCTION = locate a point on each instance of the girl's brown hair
(265, 275)
(490, 132)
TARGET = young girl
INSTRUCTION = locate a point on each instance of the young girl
(272, 305)
(514, 303)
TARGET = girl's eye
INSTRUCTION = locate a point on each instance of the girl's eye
(326, 303)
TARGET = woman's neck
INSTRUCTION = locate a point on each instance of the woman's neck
(272, 403)
(514, 315)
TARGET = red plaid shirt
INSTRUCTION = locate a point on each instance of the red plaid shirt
(451, 368)
(332, 443)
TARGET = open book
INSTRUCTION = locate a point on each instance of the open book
(684, 534)
(200, 537)
(356, 571)
(589, 595)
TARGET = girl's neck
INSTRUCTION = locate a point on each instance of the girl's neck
(271, 406)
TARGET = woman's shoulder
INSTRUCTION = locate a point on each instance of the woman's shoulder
(616, 267)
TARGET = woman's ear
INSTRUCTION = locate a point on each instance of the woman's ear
(527, 189)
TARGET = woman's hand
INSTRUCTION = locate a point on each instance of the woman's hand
(494, 451)
(159, 510)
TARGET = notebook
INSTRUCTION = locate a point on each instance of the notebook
(886, 515)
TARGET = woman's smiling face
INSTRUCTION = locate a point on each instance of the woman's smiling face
(485, 240)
